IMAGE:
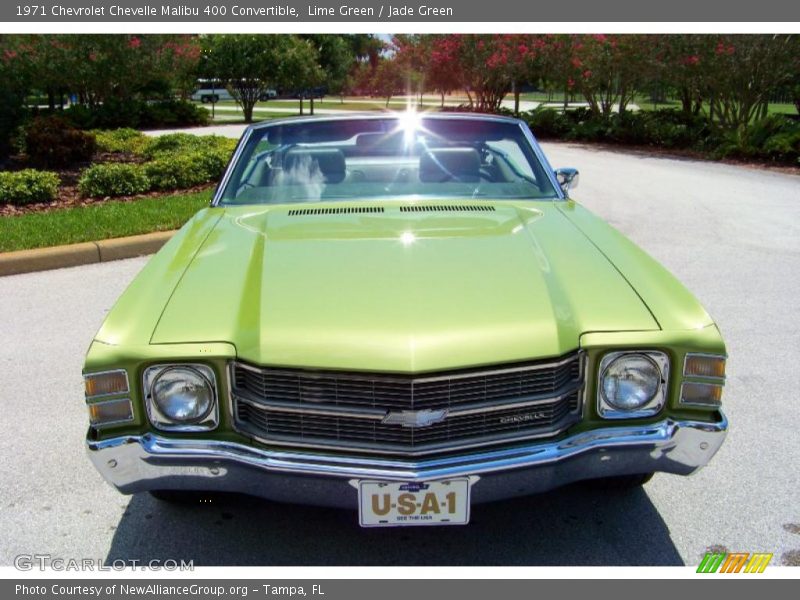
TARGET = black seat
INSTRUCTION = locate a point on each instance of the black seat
(300, 163)
(438, 165)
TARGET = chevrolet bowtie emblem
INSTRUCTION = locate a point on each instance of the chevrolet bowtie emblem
(415, 418)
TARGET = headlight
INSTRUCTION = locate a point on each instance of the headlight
(181, 397)
(631, 384)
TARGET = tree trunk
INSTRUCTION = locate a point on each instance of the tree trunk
(387, 100)
(311, 104)
(798, 103)
(516, 101)
(247, 109)
(301, 104)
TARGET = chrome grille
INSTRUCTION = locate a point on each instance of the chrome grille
(346, 410)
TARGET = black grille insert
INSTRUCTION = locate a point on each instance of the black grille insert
(346, 409)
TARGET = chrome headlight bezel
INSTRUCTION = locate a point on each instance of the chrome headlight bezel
(652, 407)
(164, 423)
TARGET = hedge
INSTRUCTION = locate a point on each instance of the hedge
(116, 113)
(775, 138)
(122, 140)
(28, 186)
(113, 179)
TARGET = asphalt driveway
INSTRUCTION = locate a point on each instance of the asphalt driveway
(731, 234)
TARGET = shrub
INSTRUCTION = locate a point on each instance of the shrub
(123, 140)
(114, 114)
(113, 179)
(53, 142)
(548, 123)
(174, 143)
(28, 186)
(176, 172)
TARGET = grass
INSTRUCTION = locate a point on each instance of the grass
(99, 221)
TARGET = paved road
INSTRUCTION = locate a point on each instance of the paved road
(731, 234)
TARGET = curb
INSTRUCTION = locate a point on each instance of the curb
(58, 257)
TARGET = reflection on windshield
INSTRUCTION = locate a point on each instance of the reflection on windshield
(397, 157)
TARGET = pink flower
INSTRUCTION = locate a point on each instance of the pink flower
(134, 42)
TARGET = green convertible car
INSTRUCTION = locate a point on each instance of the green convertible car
(404, 314)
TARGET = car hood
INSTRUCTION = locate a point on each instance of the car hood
(399, 290)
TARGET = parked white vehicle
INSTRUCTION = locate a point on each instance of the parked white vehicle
(212, 95)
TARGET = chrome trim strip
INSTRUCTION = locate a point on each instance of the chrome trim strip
(231, 165)
(357, 412)
(389, 449)
(400, 378)
(135, 463)
(548, 169)
(326, 410)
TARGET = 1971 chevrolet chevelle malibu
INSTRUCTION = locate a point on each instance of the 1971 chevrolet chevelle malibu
(403, 314)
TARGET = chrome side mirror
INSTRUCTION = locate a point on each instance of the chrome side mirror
(568, 179)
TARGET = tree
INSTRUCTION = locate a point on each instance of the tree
(14, 74)
(248, 65)
(443, 71)
(336, 57)
(302, 70)
(745, 71)
(387, 79)
(609, 69)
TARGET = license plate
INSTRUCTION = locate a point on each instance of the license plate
(395, 504)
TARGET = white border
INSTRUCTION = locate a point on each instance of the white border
(266, 574)
(388, 27)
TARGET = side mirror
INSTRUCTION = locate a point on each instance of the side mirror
(568, 179)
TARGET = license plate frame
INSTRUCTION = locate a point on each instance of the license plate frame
(427, 510)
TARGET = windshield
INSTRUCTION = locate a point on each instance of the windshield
(404, 156)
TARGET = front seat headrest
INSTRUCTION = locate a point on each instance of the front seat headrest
(438, 165)
(301, 165)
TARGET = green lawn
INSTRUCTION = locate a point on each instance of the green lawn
(98, 222)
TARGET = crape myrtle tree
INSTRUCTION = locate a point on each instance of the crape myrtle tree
(745, 70)
(608, 70)
(99, 68)
(14, 73)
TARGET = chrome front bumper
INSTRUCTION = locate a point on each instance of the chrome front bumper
(150, 462)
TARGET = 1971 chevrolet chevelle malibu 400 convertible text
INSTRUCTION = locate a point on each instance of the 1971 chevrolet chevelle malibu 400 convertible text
(404, 314)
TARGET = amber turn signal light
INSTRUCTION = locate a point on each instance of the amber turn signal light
(703, 365)
(106, 383)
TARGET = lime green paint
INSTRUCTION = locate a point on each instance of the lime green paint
(399, 292)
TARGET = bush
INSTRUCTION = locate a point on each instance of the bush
(114, 114)
(123, 140)
(28, 186)
(181, 170)
(174, 143)
(53, 142)
(113, 179)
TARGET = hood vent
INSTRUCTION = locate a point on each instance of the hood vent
(343, 210)
(449, 208)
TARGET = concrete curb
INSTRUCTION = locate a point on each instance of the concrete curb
(58, 257)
